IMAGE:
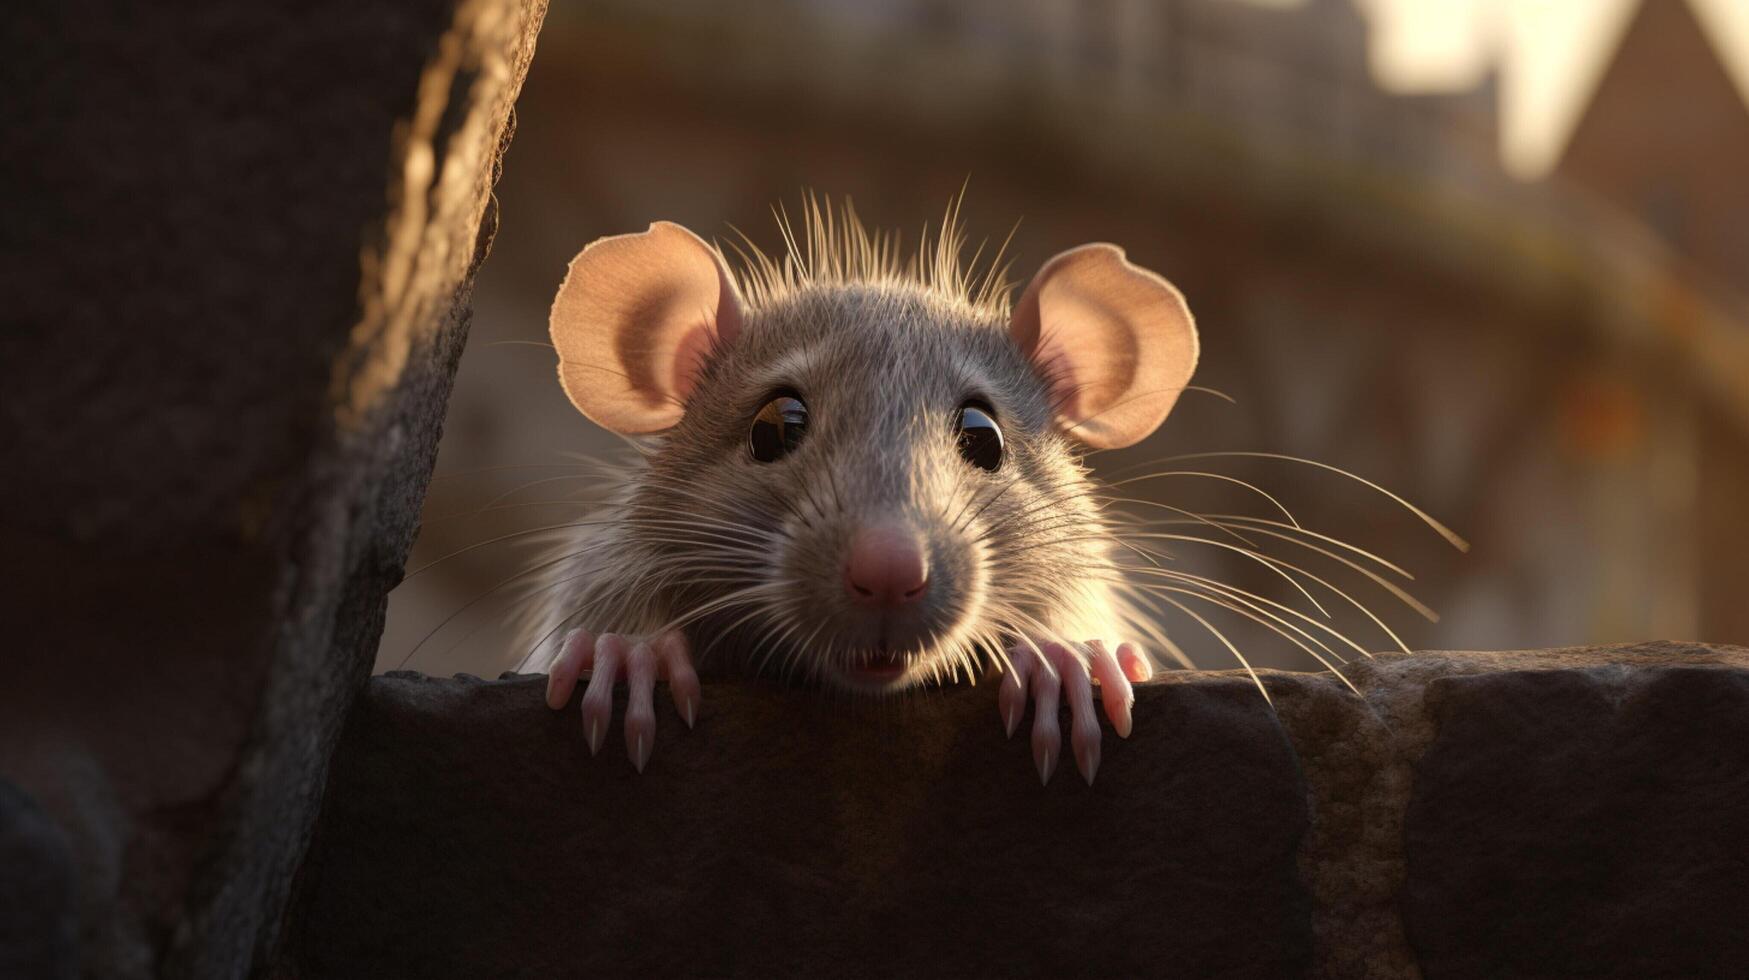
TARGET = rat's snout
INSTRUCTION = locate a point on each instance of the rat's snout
(885, 566)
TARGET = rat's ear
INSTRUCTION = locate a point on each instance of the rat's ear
(1114, 341)
(634, 321)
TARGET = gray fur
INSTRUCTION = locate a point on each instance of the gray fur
(1016, 555)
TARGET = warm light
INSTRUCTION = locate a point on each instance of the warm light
(1430, 45)
(1550, 55)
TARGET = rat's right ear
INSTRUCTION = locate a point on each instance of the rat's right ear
(634, 321)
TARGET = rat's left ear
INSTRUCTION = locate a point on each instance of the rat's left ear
(1114, 341)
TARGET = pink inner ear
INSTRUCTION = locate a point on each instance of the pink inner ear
(690, 357)
(716, 328)
(728, 319)
(1088, 342)
(1058, 371)
(696, 346)
(1115, 343)
(636, 320)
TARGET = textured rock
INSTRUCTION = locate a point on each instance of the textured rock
(38, 922)
(1366, 764)
(466, 831)
(1586, 822)
(219, 421)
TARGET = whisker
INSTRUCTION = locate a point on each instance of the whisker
(1252, 671)
(478, 470)
(1445, 532)
(1213, 476)
(1225, 519)
(1231, 607)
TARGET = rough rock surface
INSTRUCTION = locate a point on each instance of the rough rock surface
(467, 824)
(1608, 838)
(1508, 814)
(38, 920)
(238, 247)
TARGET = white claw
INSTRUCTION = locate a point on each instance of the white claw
(640, 756)
(1089, 764)
(594, 736)
(691, 711)
(1010, 719)
(1044, 769)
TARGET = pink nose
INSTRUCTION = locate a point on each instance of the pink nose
(886, 566)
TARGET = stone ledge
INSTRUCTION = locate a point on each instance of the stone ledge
(1472, 814)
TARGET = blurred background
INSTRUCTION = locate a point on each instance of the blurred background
(1492, 255)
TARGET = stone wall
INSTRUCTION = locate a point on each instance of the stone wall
(239, 243)
(239, 246)
(1575, 812)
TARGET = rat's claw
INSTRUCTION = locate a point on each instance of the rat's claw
(1052, 671)
(1083, 724)
(674, 660)
(1135, 666)
(1047, 738)
(640, 709)
(576, 655)
(1011, 694)
(610, 653)
(1114, 687)
(641, 661)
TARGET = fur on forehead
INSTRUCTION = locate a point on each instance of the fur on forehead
(642, 319)
(899, 337)
(834, 248)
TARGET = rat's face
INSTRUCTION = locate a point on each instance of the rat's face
(880, 471)
(868, 476)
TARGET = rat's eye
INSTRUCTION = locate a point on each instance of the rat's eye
(778, 428)
(980, 437)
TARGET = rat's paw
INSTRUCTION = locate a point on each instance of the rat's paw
(1070, 674)
(640, 660)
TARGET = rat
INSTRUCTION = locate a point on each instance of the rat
(869, 473)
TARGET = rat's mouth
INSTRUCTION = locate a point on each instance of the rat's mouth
(884, 656)
(880, 668)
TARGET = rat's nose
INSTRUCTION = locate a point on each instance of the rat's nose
(885, 566)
